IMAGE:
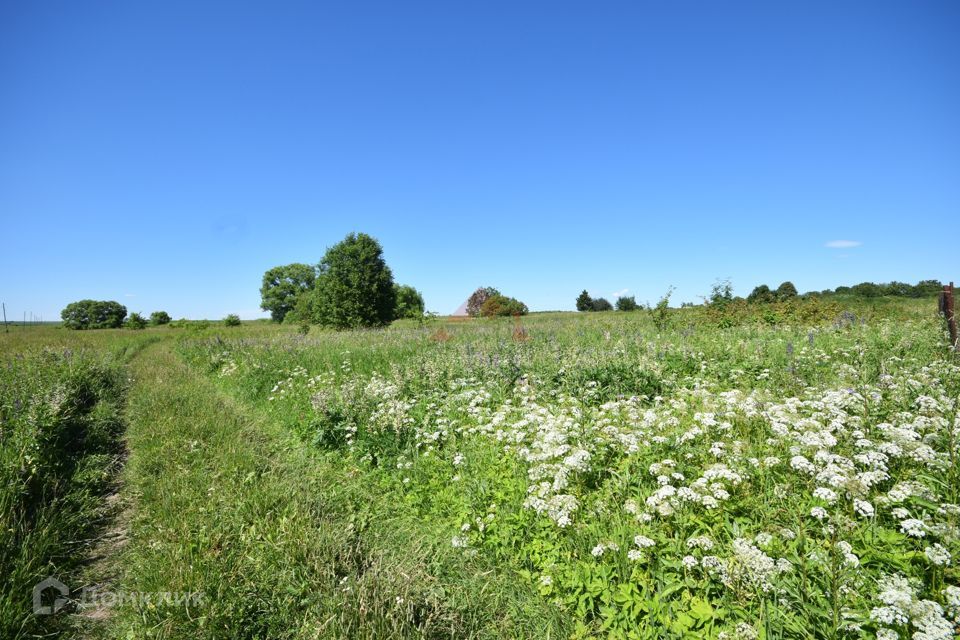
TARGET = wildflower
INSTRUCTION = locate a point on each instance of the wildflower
(818, 512)
(643, 542)
(863, 508)
(938, 555)
(914, 528)
(689, 562)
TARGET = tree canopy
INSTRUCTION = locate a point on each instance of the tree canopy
(282, 287)
(409, 302)
(93, 314)
(354, 287)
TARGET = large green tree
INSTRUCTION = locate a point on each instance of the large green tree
(93, 314)
(584, 301)
(282, 286)
(478, 297)
(409, 302)
(354, 287)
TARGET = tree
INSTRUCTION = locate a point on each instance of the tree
(354, 287)
(625, 303)
(93, 314)
(499, 305)
(761, 294)
(409, 302)
(477, 298)
(584, 301)
(159, 317)
(282, 286)
(602, 304)
(136, 321)
(867, 290)
(232, 320)
(926, 288)
(786, 291)
(721, 293)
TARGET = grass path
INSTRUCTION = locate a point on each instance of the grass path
(279, 542)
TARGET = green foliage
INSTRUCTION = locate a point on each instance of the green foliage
(409, 302)
(786, 291)
(584, 301)
(232, 320)
(627, 303)
(60, 430)
(601, 304)
(283, 286)
(660, 314)
(477, 298)
(499, 305)
(136, 321)
(354, 287)
(93, 314)
(721, 294)
(158, 318)
(761, 294)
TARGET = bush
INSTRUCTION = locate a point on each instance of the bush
(602, 304)
(158, 318)
(625, 303)
(355, 286)
(478, 297)
(584, 301)
(232, 320)
(93, 314)
(136, 321)
(409, 302)
(660, 314)
(761, 294)
(499, 305)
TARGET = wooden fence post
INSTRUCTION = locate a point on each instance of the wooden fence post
(947, 309)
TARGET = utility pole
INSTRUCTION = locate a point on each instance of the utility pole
(6, 329)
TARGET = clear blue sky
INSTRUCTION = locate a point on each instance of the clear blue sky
(165, 154)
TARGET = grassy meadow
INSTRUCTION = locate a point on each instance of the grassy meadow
(704, 474)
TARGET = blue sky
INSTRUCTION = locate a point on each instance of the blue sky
(166, 154)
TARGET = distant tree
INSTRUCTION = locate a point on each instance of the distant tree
(282, 286)
(786, 291)
(843, 291)
(232, 320)
(625, 303)
(761, 294)
(721, 293)
(158, 318)
(93, 314)
(926, 288)
(584, 301)
(867, 290)
(354, 287)
(602, 304)
(478, 297)
(409, 302)
(499, 305)
(136, 321)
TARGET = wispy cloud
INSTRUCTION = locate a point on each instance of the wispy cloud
(129, 295)
(843, 244)
(617, 294)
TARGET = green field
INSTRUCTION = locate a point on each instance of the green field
(576, 475)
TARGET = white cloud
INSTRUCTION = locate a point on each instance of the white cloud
(843, 244)
(617, 294)
(129, 295)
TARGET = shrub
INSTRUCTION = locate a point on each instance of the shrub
(602, 304)
(232, 320)
(282, 287)
(409, 302)
(93, 314)
(660, 314)
(355, 286)
(584, 301)
(136, 321)
(478, 297)
(499, 305)
(627, 303)
(159, 318)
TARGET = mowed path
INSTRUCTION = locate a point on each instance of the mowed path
(276, 541)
